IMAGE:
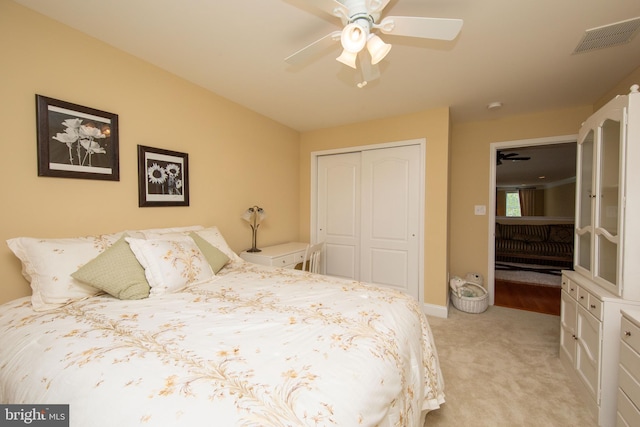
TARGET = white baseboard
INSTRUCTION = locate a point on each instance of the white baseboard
(436, 310)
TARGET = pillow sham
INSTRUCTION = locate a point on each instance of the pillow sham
(117, 272)
(143, 234)
(215, 257)
(170, 265)
(210, 234)
(48, 263)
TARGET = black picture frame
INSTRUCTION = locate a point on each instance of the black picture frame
(163, 177)
(75, 141)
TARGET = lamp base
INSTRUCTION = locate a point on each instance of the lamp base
(254, 250)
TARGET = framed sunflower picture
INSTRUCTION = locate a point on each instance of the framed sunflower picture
(163, 177)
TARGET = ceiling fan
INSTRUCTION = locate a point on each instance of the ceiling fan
(510, 156)
(361, 18)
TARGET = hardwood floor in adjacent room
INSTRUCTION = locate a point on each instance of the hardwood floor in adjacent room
(530, 297)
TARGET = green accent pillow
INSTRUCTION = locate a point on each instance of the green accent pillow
(215, 257)
(117, 272)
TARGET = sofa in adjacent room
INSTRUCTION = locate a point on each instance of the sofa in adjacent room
(547, 244)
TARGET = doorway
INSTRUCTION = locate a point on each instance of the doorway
(510, 146)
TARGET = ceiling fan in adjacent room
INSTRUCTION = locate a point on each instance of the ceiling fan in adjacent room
(509, 156)
(361, 19)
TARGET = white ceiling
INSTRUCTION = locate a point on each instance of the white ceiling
(518, 52)
(548, 165)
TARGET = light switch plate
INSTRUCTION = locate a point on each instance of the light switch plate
(480, 210)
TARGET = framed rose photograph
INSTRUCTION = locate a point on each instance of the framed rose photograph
(76, 141)
(163, 177)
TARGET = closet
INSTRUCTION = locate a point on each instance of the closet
(369, 212)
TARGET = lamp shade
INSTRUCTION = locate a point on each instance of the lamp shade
(377, 48)
(353, 37)
(348, 58)
(254, 214)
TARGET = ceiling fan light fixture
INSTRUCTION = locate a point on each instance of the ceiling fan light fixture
(377, 48)
(354, 37)
(348, 58)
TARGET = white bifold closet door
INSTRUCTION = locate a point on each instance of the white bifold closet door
(368, 215)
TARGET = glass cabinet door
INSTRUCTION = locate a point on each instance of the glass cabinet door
(584, 226)
(607, 202)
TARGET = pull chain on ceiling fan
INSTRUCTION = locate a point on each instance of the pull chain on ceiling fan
(360, 18)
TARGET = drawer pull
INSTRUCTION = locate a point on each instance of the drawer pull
(581, 296)
(627, 333)
(592, 306)
(572, 289)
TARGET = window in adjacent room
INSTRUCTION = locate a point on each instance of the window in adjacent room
(513, 203)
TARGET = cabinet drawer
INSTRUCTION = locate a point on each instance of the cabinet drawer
(572, 289)
(298, 257)
(590, 302)
(629, 385)
(627, 410)
(582, 297)
(630, 334)
(595, 306)
(620, 422)
(283, 261)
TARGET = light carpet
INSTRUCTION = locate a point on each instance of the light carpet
(529, 277)
(526, 273)
(501, 368)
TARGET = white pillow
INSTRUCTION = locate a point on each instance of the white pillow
(211, 234)
(48, 264)
(151, 233)
(170, 265)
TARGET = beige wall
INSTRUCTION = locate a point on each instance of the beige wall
(237, 158)
(622, 88)
(470, 151)
(554, 201)
(559, 201)
(433, 125)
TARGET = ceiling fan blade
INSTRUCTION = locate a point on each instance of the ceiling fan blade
(426, 28)
(332, 7)
(376, 6)
(314, 48)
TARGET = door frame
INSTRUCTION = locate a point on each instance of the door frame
(494, 147)
(422, 143)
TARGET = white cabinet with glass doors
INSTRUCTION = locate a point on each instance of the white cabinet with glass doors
(607, 241)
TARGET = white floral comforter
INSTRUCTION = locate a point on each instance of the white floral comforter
(254, 347)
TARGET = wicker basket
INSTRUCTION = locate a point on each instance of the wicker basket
(470, 304)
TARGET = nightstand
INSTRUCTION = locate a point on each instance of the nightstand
(285, 255)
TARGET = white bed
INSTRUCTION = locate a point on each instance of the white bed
(248, 346)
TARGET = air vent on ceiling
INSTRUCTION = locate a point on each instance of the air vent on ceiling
(608, 35)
